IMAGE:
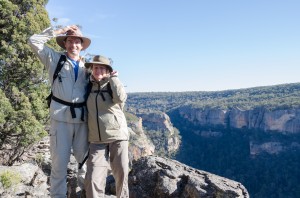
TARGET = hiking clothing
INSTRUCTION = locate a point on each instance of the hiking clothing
(64, 87)
(101, 156)
(67, 130)
(75, 67)
(106, 119)
(63, 137)
(108, 137)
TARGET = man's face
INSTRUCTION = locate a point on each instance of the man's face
(73, 45)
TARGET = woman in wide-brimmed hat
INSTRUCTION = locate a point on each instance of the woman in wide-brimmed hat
(108, 133)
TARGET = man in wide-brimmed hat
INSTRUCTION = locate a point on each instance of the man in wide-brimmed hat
(68, 128)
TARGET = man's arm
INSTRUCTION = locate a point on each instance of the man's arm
(37, 43)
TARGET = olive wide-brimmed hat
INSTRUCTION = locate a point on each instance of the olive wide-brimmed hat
(100, 60)
(85, 41)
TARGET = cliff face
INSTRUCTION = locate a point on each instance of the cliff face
(281, 121)
(140, 145)
(160, 122)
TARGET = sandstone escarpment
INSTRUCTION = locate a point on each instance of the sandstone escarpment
(159, 126)
(212, 121)
(281, 121)
(140, 145)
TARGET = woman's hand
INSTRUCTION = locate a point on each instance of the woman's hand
(114, 73)
(111, 74)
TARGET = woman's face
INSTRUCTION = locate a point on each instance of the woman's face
(99, 72)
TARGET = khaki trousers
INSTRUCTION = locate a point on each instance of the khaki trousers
(101, 156)
(64, 137)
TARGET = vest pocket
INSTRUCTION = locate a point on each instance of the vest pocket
(110, 121)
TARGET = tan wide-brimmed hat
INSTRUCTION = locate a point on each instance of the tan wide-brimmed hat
(100, 60)
(85, 41)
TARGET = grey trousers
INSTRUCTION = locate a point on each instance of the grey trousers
(64, 137)
(101, 156)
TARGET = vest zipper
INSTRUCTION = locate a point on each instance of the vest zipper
(98, 112)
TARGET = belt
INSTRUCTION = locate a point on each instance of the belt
(72, 106)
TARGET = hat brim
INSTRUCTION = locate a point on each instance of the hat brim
(89, 64)
(85, 41)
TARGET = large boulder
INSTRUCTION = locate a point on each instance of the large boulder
(157, 177)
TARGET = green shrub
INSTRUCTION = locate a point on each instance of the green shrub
(39, 158)
(10, 178)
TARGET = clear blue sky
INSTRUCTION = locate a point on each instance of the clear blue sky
(191, 45)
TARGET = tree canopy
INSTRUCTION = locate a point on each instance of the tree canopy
(23, 81)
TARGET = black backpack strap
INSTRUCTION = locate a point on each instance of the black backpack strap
(88, 90)
(84, 160)
(109, 90)
(60, 64)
